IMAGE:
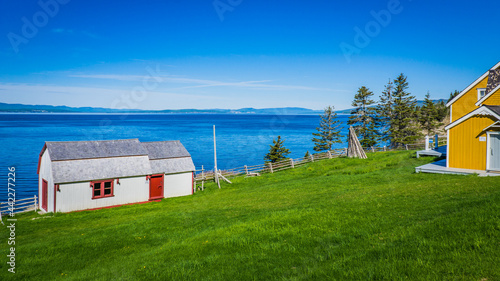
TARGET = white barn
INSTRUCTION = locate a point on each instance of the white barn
(80, 175)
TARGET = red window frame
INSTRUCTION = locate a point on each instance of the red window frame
(102, 188)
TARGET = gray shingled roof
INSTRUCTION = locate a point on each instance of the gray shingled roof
(172, 166)
(78, 161)
(494, 108)
(165, 149)
(101, 168)
(74, 150)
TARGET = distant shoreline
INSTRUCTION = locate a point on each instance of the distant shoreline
(7, 108)
(151, 113)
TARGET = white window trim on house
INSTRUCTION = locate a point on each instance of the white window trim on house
(488, 147)
(479, 91)
(483, 99)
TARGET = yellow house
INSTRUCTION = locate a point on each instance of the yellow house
(474, 131)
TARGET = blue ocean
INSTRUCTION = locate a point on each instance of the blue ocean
(241, 139)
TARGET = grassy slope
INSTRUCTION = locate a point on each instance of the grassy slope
(340, 219)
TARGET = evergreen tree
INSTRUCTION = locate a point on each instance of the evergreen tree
(403, 125)
(441, 110)
(363, 117)
(307, 155)
(428, 116)
(385, 111)
(453, 94)
(277, 152)
(328, 131)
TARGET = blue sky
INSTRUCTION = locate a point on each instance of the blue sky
(174, 54)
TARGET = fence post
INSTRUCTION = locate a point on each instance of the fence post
(406, 146)
(271, 167)
(329, 154)
(246, 170)
(436, 141)
(36, 205)
(312, 157)
(385, 149)
(373, 150)
(202, 178)
(291, 162)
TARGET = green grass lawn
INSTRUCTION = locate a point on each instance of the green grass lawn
(339, 219)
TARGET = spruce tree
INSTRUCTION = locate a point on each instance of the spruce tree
(328, 131)
(363, 117)
(453, 94)
(307, 155)
(441, 110)
(404, 129)
(385, 111)
(277, 151)
(429, 116)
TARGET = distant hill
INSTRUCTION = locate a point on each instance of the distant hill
(26, 108)
(8, 107)
(421, 102)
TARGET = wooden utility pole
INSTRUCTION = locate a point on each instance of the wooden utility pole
(216, 171)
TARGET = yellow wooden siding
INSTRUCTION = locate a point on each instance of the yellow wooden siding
(493, 100)
(466, 151)
(467, 102)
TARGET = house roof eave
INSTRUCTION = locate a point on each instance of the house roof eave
(483, 110)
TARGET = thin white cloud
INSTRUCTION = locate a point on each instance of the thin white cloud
(202, 83)
(71, 31)
(41, 89)
(61, 30)
(90, 34)
(111, 77)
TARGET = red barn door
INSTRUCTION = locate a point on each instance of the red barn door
(44, 194)
(156, 187)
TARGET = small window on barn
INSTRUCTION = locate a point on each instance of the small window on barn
(107, 188)
(101, 189)
(97, 189)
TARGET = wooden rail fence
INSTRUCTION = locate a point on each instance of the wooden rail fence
(203, 175)
(255, 170)
(19, 206)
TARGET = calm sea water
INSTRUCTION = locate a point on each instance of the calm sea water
(241, 139)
